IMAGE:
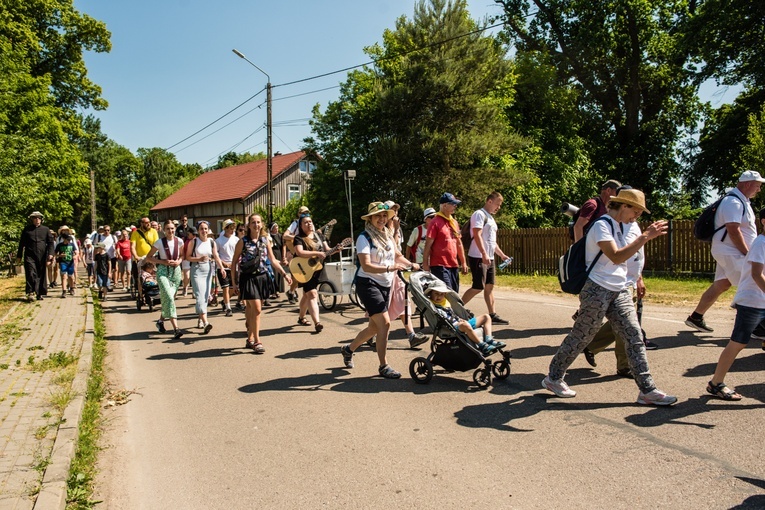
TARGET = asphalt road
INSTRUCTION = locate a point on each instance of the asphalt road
(215, 426)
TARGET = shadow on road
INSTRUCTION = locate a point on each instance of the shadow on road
(750, 363)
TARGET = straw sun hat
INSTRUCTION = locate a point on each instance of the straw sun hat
(633, 197)
(378, 207)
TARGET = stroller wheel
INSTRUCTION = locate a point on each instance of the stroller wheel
(421, 370)
(482, 377)
(501, 369)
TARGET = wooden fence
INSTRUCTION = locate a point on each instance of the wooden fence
(537, 250)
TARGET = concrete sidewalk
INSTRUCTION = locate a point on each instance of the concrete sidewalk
(33, 443)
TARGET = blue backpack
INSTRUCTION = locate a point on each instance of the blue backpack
(572, 266)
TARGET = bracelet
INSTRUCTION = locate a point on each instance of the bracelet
(387, 269)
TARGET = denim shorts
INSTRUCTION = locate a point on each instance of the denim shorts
(747, 318)
(66, 267)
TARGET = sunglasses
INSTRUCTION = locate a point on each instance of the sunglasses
(381, 207)
(306, 215)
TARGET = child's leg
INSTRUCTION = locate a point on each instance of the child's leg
(465, 328)
(484, 321)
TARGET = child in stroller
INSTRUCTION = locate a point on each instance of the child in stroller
(460, 341)
(437, 295)
(149, 285)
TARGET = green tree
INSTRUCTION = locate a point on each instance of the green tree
(234, 158)
(428, 116)
(624, 61)
(43, 82)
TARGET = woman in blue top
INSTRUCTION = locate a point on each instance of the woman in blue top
(249, 276)
(378, 262)
(606, 294)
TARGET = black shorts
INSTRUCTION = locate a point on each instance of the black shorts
(113, 263)
(372, 295)
(224, 278)
(311, 284)
(476, 270)
(252, 286)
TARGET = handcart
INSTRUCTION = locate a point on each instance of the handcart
(337, 281)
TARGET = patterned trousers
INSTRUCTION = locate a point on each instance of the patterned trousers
(168, 279)
(597, 302)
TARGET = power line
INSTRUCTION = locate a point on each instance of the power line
(220, 128)
(219, 118)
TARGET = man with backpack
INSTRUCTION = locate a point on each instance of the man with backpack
(444, 255)
(482, 248)
(416, 243)
(735, 230)
(594, 208)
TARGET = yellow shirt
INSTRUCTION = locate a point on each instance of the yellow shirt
(142, 247)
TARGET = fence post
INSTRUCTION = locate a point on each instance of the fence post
(670, 245)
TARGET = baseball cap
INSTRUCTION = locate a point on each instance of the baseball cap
(448, 198)
(611, 183)
(226, 223)
(751, 175)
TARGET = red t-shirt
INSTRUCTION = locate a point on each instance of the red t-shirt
(592, 209)
(123, 247)
(443, 251)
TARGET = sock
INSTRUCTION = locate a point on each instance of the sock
(411, 336)
(488, 339)
(697, 315)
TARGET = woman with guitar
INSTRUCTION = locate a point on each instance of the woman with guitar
(310, 244)
(379, 260)
(249, 276)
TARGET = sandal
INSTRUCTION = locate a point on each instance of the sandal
(303, 321)
(720, 390)
(258, 348)
(388, 372)
(319, 326)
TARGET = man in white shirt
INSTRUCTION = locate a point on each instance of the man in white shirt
(483, 247)
(226, 242)
(730, 245)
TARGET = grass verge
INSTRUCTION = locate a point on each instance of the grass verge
(83, 469)
(663, 290)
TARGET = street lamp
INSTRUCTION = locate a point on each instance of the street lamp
(269, 156)
(349, 175)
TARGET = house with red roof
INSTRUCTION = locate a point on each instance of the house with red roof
(236, 191)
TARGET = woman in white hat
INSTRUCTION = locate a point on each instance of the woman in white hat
(378, 262)
(606, 294)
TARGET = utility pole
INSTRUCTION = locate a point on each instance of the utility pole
(92, 200)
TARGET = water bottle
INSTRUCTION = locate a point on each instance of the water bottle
(505, 263)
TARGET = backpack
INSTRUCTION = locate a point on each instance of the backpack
(466, 234)
(575, 218)
(572, 266)
(704, 226)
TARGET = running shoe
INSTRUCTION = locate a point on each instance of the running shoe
(347, 356)
(656, 397)
(698, 324)
(558, 387)
(496, 319)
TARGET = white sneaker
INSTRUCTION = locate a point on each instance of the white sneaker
(200, 324)
(656, 397)
(558, 387)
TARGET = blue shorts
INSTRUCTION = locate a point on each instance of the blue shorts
(747, 319)
(66, 267)
(472, 322)
(449, 275)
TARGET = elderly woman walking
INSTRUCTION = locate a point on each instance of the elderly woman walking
(249, 277)
(166, 254)
(379, 260)
(606, 294)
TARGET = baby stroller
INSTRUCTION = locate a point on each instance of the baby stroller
(451, 349)
(150, 291)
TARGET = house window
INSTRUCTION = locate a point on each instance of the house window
(293, 190)
(307, 166)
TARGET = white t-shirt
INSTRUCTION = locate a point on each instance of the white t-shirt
(485, 221)
(734, 210)
(605, 273)
(418, 237)
(108, 244)
(748, 293)
(162, 255)
(293, 228)
(378, 256)
(226, 247)
(637, 261)
(201, 248)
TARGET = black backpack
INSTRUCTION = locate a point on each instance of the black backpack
(704, 226)
(572, 267)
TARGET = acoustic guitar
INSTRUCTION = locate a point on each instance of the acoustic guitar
(303, 268)
(326, 230)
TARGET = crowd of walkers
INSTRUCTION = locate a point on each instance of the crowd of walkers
(249, 262)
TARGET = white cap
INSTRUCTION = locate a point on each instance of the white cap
(751, 175)
(428, 212)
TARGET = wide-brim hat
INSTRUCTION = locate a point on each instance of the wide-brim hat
(633, 197)
(376, 208)
(35, 214)
(62, 228)
(437, 286)
(428, 212)
(226, 223)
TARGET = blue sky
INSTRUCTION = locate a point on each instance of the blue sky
(171, 70)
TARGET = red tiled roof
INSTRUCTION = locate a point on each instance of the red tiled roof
(232, 183)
